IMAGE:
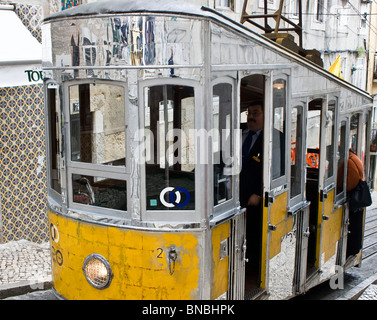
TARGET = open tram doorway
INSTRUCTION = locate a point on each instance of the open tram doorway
(252, 92)
(312, 182)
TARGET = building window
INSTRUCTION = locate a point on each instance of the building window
(224, 4)
(320, 10)
(375, 68)
(294, 7)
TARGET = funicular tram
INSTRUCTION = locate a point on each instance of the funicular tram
(144, 102)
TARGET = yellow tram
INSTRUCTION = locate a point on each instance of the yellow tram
(144, 101)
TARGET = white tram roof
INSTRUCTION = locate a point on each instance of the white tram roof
(183, 8)
(131, 6)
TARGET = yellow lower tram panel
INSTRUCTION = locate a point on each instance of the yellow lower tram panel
(91, 261)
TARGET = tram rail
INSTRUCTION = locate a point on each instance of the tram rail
(370, 235)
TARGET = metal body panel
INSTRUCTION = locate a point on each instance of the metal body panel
(303, 233)
(121, 41)
(330, 237)
(220, 257)
(282, 250)
(74, 240)
(238, 247)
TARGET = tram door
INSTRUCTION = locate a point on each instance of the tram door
(281, 224)
(320, 186)
(252, 90)
(298, 206)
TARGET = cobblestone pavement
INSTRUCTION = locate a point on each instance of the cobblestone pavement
(22, 261)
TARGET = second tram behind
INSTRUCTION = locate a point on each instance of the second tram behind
(144, 101)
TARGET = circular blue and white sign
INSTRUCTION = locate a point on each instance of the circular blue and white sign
(174, 197)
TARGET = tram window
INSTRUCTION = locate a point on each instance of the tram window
(54, 142)
(313, 134)
(99, 192)
(170, 151)
(363, 146)
(222, 142)
(97, 121)
(278, 141)
(341, 155)
(296, 151)
(330, 118)
(353, 132)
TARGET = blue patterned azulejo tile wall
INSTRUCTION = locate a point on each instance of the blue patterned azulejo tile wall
(23, 187)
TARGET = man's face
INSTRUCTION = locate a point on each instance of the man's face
(255, 119)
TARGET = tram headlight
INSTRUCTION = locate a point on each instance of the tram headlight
(97, 271)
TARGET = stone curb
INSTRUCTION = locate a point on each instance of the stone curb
(23, 287)
(357, 291)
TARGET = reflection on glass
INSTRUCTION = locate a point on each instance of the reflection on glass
(353, 132)
(330, 127)
(221, 142)
(313, 134)
(54, 141)
(363, 146)
(97, 124)
(278, 141)
(341, 155)
(296, 151)
(99, 192)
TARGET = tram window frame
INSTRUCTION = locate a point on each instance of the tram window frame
(364, 140)
(313, 142)
(359, 124)
(342, 155)
(219, 151)
(330, 144)
(95, 169)
(297, 166)
(354, 137)
(95, 184)
(70, 111)
(165, 211)
(279, 179)
(54, 145)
